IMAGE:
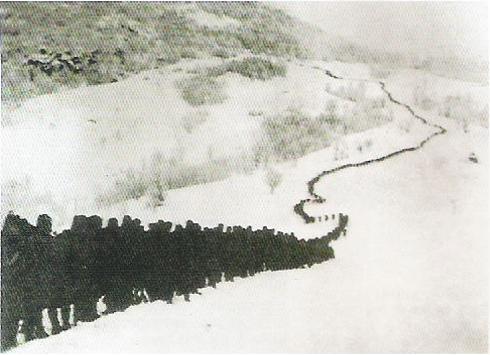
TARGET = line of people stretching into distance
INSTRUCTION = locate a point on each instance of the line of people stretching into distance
(71, 276)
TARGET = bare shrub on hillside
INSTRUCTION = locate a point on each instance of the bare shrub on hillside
(332, 119)
(129, 185)
(159, 174)
(341, 149)
(255, 68)
(367, 114)
(293, 134)
(193, 119)
(263, 151)
(157, 193)
(379, 71)
(461, 107)
(405, 124)
(255, 113)
(422, 97)
(364, 145)
(455, 106)
(162, 174)
(482, 116)
(273, 179)
(21, 193)
(377, 102)
(331, 108)
(464, 109)
(202, 90)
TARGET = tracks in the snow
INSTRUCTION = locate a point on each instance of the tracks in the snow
(316, 198)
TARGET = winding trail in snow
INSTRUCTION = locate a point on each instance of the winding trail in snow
(316, 198)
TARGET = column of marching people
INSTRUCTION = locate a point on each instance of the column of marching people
(50, 281)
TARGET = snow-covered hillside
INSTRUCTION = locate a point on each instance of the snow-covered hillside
(411, 275)
(241, 114)
(110, 131)
(412, 266)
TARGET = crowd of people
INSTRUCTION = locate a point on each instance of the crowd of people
(299, 209)
(70, 273)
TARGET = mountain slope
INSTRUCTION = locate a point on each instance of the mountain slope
(104, 42)
(409, 277)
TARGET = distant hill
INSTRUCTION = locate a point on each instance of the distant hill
(48, 45)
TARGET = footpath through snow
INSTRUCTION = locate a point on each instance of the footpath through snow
(299, 207)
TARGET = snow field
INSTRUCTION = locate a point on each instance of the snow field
(413, 265)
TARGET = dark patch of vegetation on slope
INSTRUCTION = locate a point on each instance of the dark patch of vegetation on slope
(205, 88)
(127, 38)
(255, 68)
(291, 135)
(202, 90)
(265, 30)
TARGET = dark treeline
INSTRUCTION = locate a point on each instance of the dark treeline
(68, 273)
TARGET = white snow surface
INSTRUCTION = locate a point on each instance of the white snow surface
(105, 130)
(411, 275)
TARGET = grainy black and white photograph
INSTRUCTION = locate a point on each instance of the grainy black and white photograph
(244, 177)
